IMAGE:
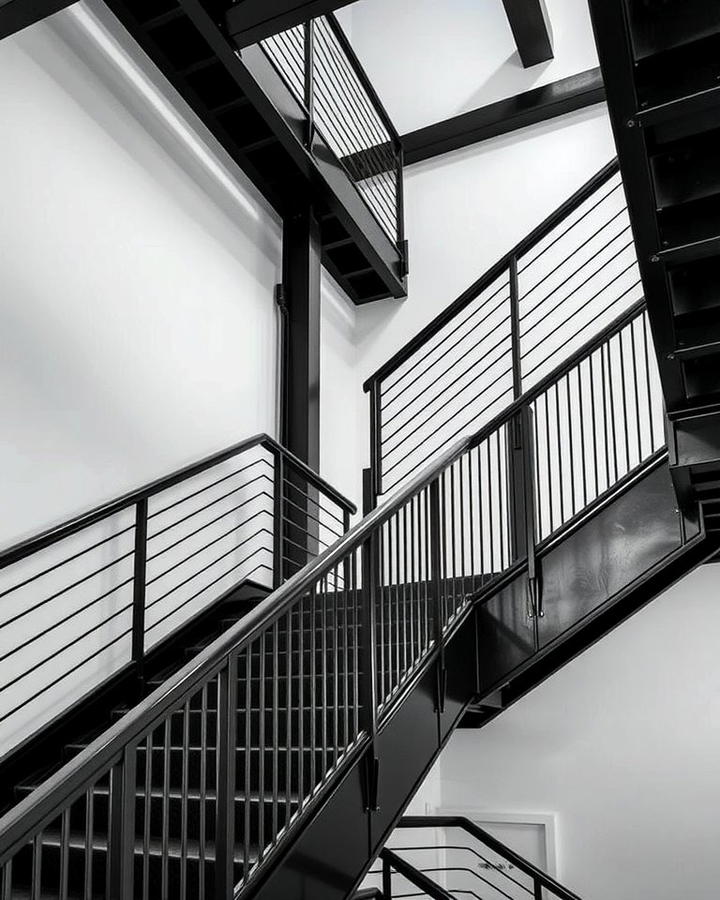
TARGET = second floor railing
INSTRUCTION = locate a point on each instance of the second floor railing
(262, 724)
(542, 301)
(321, 69)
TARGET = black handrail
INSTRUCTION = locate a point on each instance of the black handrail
(488, 277)
(335, 583)
(537, 875)
(24, 548)
(517, 322)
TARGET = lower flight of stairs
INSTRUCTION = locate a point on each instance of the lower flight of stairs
(170, 802)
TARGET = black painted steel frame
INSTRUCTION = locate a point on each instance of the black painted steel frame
(391, 584)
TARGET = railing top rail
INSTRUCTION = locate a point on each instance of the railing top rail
(415, 876)
(46, 538)
(475, 289)
(363, 77)
(38, 807)
(490, 841)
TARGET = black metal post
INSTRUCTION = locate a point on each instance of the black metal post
(436, 576)
(386, 880)
(278, 520)
(400, 207)
(121, 839)
(537, 890)
(225, 805)
(139, 584)
(368, 644)
(375, 444)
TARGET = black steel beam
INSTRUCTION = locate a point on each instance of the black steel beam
(250, 21)
(529, 108)
(530, 25)
(18, 14)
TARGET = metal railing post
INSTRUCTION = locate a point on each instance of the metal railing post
(368, 690)
(225, 805)
(537, 890)
(139, 586)
(121, 839)
(436, 576)
(375, 443)
(278, 520)
(386, 880)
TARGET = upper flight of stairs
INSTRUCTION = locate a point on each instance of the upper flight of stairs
(662, 75)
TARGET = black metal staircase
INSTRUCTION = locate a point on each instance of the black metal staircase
(660, 65)
(537, 513)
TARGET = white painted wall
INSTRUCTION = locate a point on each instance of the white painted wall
(622, 745)
(137, 269)
(433, 59)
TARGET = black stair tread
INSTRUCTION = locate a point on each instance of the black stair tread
(192, 794)
(99, 843)
(698, 340)
(658, 29)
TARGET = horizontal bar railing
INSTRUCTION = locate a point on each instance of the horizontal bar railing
(544, 299)
(325, 76)
(88, 598)
(257, 729)
(535, 880)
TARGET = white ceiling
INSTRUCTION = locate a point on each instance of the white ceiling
(433, 59)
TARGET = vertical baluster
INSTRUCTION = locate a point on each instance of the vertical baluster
(436, 537)
(278, 519)
(121, 837)
(356, 642)
(426, 555)
(289, 671)
(386, 880)
(324, 587)
(581, 414)
(36, 883)
(414, 582)
(611, 392)
(382, 559)
(548, 460)
(64, 853)
(202, 847)
(593, 419)
(636, 388)
(301, 702)
(558, 448)
(570, 438)
(139, 585)
(453, 545)
(247, 757)
(275, 730)
(147, 810)
(339, 602)
(624, 401)
(262, 709)
(406, 638)
(346, 655)
(89, 840)
(165, 838)
(481, 508)
(312, 599)
(185, 782)
(227, 683)
(7, 880)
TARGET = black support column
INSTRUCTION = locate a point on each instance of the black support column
(301, 290)
(300, 394)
